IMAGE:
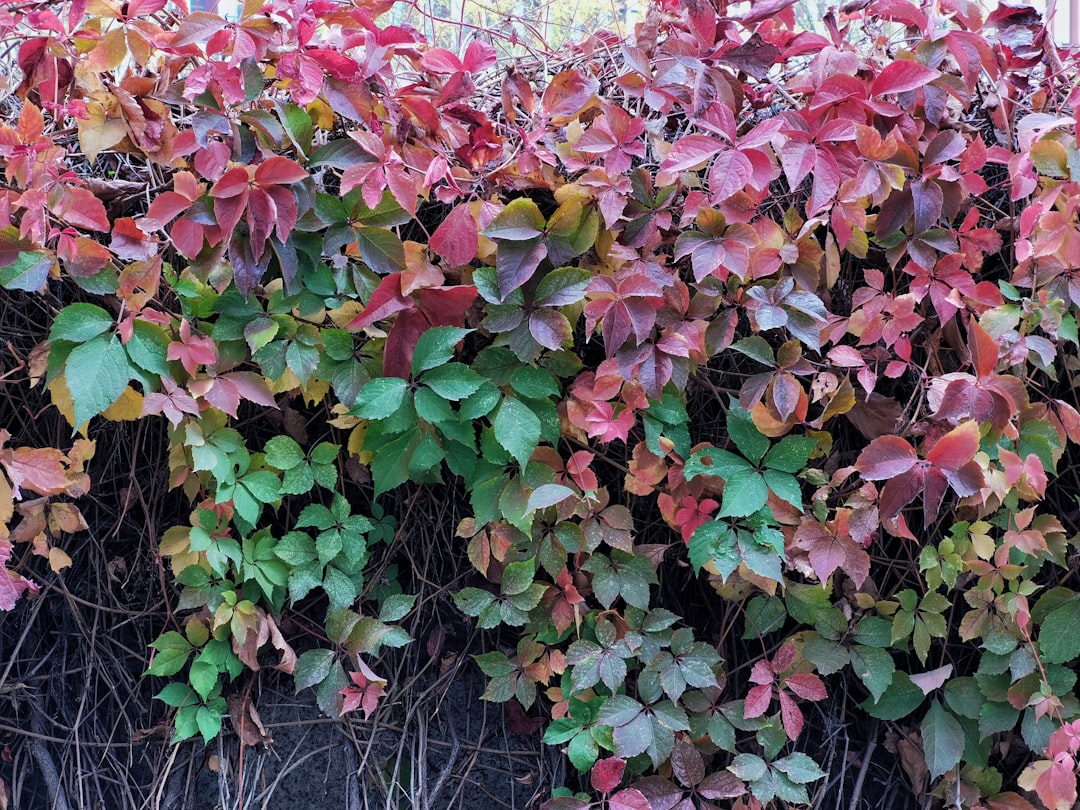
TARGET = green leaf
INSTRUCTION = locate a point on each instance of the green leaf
(745, 492)
(744, 433)
(148, 348)
(790, 454)
(204, 677)
(452, 381)
(298, 124)
(518, 576)
(520, 220)
(381, 250)
(764, 614)
(97, 374)
(436, 347)
(176, 694)
(898, 701)
(583, 751)
(339, 588)
(874, 667)
(172, 653)
(312, 667)
(714, 541)
(943, 740)
(756, 348)
(785, 486)
(563, 286)
(471, 601)
(28, 272)
(80, 322)
(964, 697)
(380, 398)
(283, 453)
(395, 607)
(517, 429)
(209, 722)
(828, 657)
(1059, 639)
(996, 717)
(716, 462)
(263, 485)
(799, 768)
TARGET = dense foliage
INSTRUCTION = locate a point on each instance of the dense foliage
(792, 311)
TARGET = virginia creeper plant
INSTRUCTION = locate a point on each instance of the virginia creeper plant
(719, 298)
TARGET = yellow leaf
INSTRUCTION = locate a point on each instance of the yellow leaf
(321, 114)
(981, 541)
(842, 401)
(126, 409)
(355, 445)
(61, 400)
(98, 132)
(1032, 773)
(349, 310)
(7, 502)
(315, 391)
(286, 382)
(58, 559)
(65, 518)
(196, 631)
(108, 52)
(176, 540)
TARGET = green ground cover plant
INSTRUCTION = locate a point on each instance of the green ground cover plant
(789, 315)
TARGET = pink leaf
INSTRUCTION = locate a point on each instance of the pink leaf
(690, 151)
(934, 679)
(630, 799)
(730, 173)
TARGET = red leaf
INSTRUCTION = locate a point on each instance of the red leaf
(758, 700)
(279, 170)
(791, 716)
(446, 306)
(721, 785)
(901, 76)
(764, 9)
(606, 774)
(568, 92)
(956, 448)
(261, 217)
(440, 60)
(898, 492)
(886, 457)
(807, 686)
(82, 209)
(456, 238)
(384, 302)
(232, 184)
(983, 348)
